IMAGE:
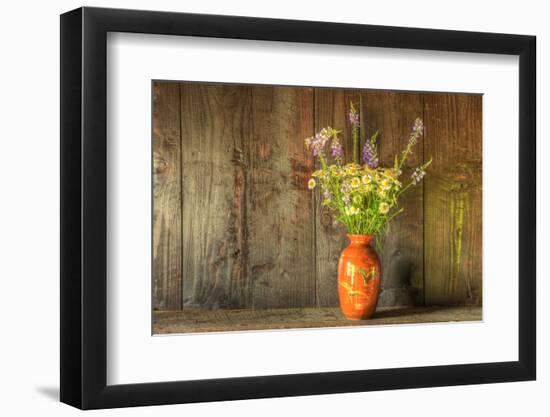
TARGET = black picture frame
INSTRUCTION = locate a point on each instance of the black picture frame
(84, 207)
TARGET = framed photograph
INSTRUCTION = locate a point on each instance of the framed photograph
(257, 208)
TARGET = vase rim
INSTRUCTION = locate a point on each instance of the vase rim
(360, 238)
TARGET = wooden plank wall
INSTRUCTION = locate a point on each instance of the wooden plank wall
(167, 236)
(452, 234)
(331, 107)
(213, 191)
(393, 114)
(235, 226)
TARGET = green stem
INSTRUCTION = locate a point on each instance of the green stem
(405, 155)
(393, 215)
(355, 136)
(322, 159)
(404, 189)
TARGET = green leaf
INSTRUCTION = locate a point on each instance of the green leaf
(367, 276)
(374, 137)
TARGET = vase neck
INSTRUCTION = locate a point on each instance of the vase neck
(360, 239)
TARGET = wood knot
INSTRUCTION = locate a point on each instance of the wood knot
(238, 157)
(326, 219)
(160, 165)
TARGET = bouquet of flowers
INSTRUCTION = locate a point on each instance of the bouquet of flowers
(365, 196)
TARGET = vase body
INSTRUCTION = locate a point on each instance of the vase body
(358, 278)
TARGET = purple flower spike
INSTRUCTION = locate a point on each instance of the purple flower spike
(317, 143)
(369, 155)
(337, 151)
(353, 117)
(418, 126)
(417, 175)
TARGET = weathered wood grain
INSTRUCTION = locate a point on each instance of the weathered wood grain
(279, 209)
(234, 225)
(453, 192)
(167, 261)
(331, 109)
(215, 129)
(198, 320)
(393, 115)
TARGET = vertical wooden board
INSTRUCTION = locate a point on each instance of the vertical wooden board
(331, 109)
(214, 131)
(393, 115)
(279, 209)
(166, 196)
(453, 206)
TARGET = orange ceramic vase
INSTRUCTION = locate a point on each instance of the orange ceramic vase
(358, 278)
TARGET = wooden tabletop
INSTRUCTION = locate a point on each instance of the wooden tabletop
(194, 320)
